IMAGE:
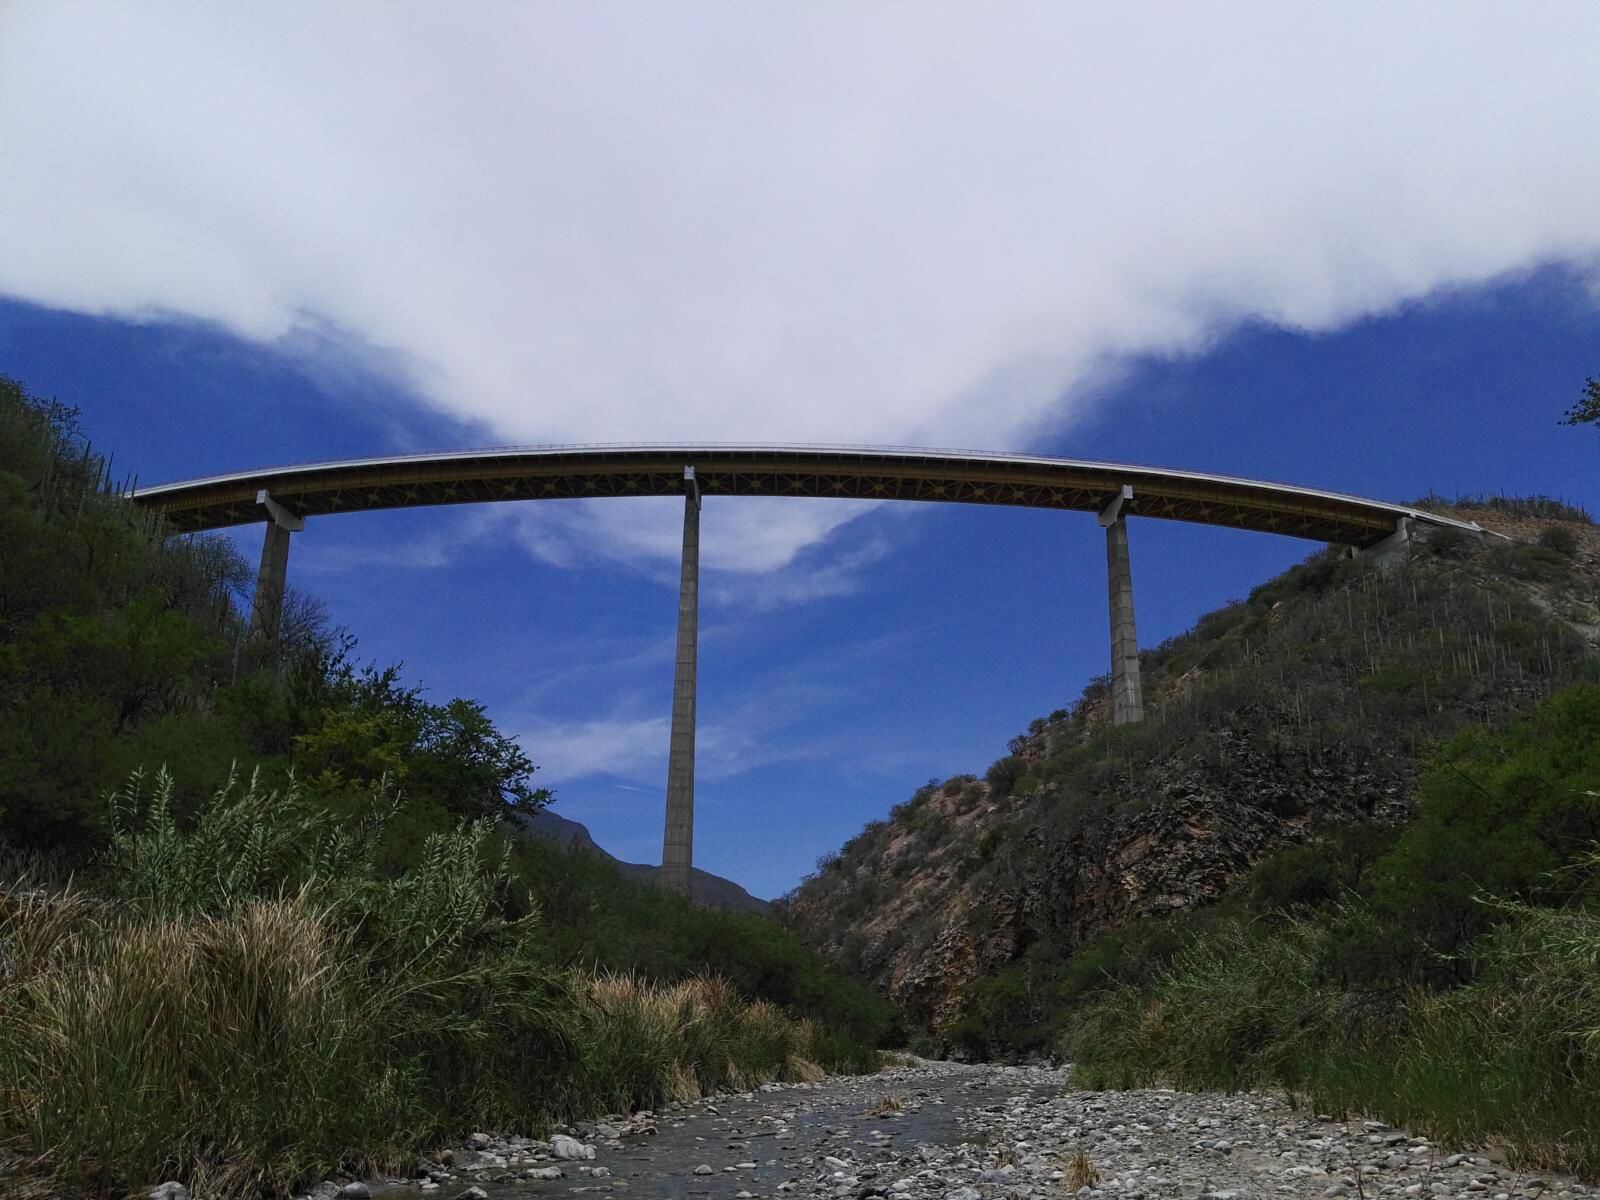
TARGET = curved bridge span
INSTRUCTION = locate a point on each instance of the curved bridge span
(839, 472)
(283, 497)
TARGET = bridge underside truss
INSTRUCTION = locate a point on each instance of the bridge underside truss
(481, 477)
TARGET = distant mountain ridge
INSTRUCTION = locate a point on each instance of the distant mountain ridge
(712, 891)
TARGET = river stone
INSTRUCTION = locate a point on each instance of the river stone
(565, 1147)
(355, 1191)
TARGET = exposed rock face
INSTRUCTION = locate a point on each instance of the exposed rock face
(1311, 704)
(1210, 823)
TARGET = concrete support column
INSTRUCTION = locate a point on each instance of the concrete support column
(677, 846)
(1127, 695)
(272, 578)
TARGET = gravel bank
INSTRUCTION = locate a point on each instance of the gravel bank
(948, 1131)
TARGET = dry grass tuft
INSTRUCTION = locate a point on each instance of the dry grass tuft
(1081, 1172)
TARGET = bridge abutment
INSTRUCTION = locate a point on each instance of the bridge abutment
(1395, 550)
(1127, 693)
(677, 846)
(272, 577)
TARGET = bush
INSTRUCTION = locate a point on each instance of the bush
(1528, 561)
(1559, 538)
(1499, 814)
(1003, 775)
(1318, 872)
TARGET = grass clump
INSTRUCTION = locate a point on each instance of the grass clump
(1081, 1172)
(251, 1002)
(240, 1051)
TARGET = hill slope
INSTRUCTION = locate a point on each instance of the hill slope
(711, 891)
(1308, 705)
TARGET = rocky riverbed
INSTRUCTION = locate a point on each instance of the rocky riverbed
(946, 1131)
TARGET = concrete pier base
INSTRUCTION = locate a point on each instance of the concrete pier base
(1127, 693)
(677, 845)
(272, 577)
(1395, 550)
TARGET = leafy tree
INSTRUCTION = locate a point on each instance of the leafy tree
(1587, 410)
(370, 727)
(122, 648)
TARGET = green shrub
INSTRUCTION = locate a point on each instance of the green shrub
(1003, 774)
(1446, 541)
(1528, 561)
(1498, 814)
(1559, 538)
(1319, 871)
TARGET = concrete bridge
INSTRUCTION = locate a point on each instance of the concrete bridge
(284, 497)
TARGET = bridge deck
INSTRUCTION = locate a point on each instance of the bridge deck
(948, 476)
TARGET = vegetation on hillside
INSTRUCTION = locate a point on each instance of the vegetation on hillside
(258, 918)
(120, 647)
(1312, 701)
(1450, 982)
(1352, 851)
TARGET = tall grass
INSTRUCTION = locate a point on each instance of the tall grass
(1513, 1058)
(241, 1051)
(650, 1044)
(248, 1004)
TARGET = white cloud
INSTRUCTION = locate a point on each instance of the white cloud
(630, 748)
(752, 534)
(798, 582)
(753, 551)
(635, 748)
(769, 718)
(922, 223)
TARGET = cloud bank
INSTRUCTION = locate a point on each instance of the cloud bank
(908, 223)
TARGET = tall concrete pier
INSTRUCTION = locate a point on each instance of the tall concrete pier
(1127, 694)
(272, 577)
(677, 846)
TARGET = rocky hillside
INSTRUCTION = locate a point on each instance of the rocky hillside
(1311, 702)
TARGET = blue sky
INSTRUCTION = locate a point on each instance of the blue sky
(1354, 246)
(941, 631)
